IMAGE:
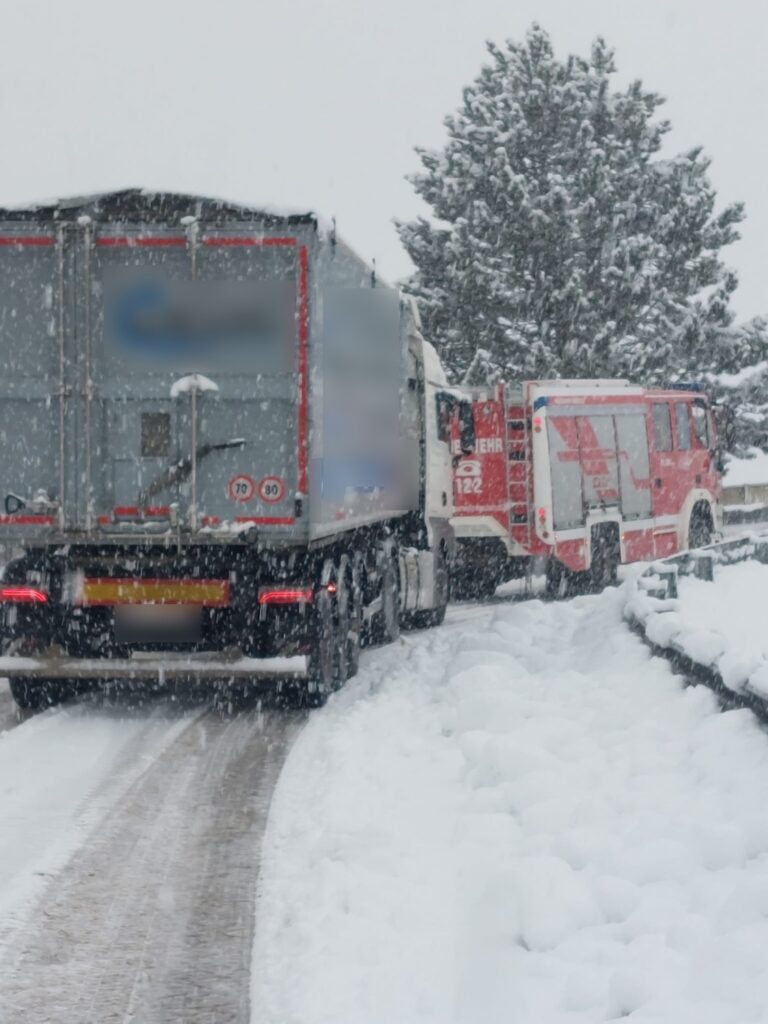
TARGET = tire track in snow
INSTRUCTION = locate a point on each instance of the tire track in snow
(152, 920)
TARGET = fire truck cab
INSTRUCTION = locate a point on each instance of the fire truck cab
(586, 473)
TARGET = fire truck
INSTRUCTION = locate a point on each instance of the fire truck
(586, 474)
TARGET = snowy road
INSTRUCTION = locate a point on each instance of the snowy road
(128, 861)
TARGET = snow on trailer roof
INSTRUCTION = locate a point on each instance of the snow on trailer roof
(151, 206)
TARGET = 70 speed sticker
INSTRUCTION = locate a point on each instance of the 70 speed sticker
(242, 488)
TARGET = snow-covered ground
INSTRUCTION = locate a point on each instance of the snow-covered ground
(733, 606)
(60, 773)
(521, 816)
(719, 624)
(752, 470)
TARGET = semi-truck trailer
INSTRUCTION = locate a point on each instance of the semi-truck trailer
(226, 448)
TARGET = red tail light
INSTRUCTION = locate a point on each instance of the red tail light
(23, 595)
(287, 595)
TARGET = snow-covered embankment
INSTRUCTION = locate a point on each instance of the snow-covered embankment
(718, 625)
(521, 816)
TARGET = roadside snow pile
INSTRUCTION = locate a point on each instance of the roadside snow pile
(747, 471)
(521, 816)
(718, 625)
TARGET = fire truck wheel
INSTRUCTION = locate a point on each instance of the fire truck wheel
(560, 581)
(606, 557)
(478, 586)
(700, 528)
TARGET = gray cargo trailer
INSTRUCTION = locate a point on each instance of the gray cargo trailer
(223, 443)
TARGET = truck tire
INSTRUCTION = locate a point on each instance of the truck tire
(355, 637)
(385, 627)
(606, 557)
(343, 618)
(33, 694)
(559, 580)
(700, 528)
(323, 660)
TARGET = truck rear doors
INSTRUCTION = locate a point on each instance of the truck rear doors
(128, 348)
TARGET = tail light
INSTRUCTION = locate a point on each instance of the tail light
(23, 595)
(285, 595)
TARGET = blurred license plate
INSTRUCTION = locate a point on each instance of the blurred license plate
(157, 623)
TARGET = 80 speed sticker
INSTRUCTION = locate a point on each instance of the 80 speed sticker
(272, 489)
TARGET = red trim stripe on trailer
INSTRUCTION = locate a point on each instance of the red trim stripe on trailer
(247, 240)
(27, 520)
(27, 240)
(144, 241)
(134, 510)
(266, 520)
(303, 383)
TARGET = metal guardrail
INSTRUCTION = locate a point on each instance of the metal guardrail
(701, 562)
(659, 584)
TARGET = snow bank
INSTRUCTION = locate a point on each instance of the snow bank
(521, 816)
(719, 624)
(747, 472)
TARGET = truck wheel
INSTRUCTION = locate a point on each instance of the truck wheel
(355, 636)
(485, 587)
(32, 694)
(700, 529)
(342, 624)
(478, 586)
(386, 626)
(559, 583)
(322, 661)
(606, 557)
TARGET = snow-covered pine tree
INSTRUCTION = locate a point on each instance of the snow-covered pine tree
(561, 244)
(743, 386)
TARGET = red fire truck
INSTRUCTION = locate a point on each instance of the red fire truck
(586, 474)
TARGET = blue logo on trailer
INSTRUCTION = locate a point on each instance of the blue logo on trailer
(138, 318)
(166, 319)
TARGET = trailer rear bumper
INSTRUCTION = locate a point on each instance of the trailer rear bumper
(157, 668)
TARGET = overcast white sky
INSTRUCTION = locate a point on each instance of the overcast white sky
(318, 103)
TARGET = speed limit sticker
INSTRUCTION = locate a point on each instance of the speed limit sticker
(271, 489)
(241, 488)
